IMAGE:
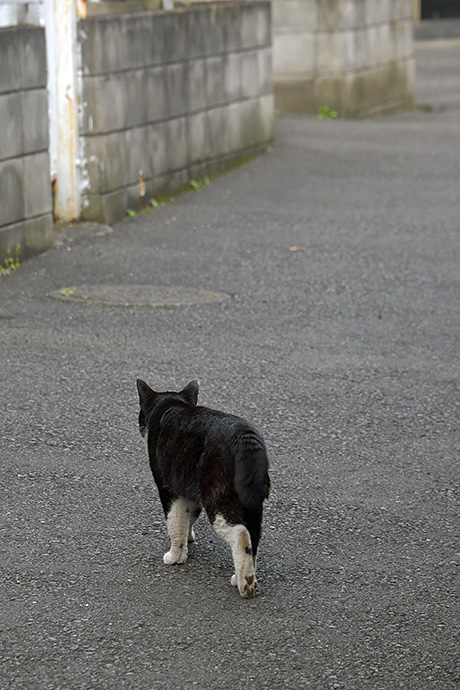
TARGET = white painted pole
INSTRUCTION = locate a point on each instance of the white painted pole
(61, 43)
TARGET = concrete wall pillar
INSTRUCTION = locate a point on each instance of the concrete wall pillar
(26, 222)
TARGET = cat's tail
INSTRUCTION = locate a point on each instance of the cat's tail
(252, 483)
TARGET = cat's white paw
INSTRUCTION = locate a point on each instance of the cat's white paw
(247, 587)
(246, 581)
(175, 556)
(191, 535)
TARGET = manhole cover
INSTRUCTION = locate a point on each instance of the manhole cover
(137, 295)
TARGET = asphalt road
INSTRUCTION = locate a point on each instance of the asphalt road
(345, 354)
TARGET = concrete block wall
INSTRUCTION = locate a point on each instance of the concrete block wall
(26, 222)
(355, 56)
(173, 96)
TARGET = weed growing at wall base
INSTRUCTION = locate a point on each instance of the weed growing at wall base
(197, 184)
(11, 263)
(325, 112)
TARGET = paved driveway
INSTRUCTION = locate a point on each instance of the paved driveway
(338, 252)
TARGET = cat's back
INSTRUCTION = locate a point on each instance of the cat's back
(200, 428)
(226, 433)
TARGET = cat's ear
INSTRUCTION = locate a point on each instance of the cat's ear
(145, 392)
(191, 392)
(146, 396)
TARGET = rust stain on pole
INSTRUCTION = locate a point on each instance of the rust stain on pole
(82, 9)
(68, 144)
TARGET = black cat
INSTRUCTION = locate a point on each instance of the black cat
(202, 458)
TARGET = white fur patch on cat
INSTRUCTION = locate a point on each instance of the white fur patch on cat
(240, 542)
(179, 524)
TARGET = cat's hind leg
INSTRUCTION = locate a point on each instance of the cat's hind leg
(179, 522)
(240, 542)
